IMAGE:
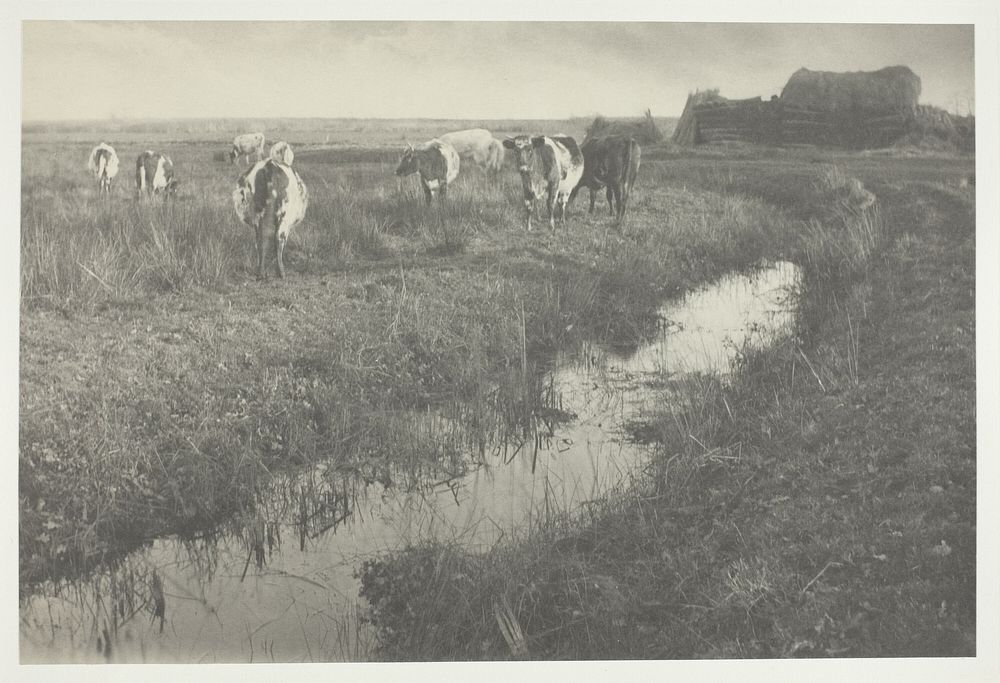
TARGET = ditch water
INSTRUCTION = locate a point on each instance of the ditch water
(282, 586)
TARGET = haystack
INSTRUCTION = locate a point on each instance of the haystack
(644, 130)
(894, 89)
(686, 131)
(933, 128)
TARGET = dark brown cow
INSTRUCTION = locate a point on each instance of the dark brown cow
(611, 162)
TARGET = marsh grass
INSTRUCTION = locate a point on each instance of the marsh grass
(192, 411)
(768, 525)
(174, 392)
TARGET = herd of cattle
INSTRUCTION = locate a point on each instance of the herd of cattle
(271, 198)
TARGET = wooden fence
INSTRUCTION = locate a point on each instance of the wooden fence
(776, 123)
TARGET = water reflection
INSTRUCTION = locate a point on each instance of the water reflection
(277, 582)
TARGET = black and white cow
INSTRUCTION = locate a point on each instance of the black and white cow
(478, 147)
(245, 145)
(154, 175)
(282, 151)
(610, 162)
(437, 163)
(547, 165)
(103, 163)
(272, 199)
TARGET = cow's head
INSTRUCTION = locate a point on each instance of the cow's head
(171, 189)
(408, 163)
(523, 147)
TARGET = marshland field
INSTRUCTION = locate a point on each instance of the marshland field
(741, 424)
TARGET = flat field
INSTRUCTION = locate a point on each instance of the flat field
(819, 503)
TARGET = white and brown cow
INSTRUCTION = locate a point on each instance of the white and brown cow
(611, 162)
(272, 199)
(247, 144)
(154, 175)
(282, 151)
(478, 147)
(436, 161)
(103, 163)
(548, 165)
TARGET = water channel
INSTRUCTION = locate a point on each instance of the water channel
(296, 597)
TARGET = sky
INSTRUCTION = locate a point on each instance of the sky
(460, 70)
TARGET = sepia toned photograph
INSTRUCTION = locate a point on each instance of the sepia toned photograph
(439, 341)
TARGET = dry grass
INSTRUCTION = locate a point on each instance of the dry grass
(644, 130)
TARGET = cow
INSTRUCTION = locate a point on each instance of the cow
(436, 161)
(478, 147)
(559, 170)
(282, 151)
(245, 145)
(271, 198)
(103, 163)
(610, 162)
(154, 175)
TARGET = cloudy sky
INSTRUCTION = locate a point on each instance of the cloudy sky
(83, 70)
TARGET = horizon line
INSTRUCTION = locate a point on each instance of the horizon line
(340, 118)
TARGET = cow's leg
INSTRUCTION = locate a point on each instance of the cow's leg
(265, 238)
(610, 194)
(279, 241)
(626, 191)
(428, 194)
(529, 205)
(563, 204)
(550, 202)
(593, 198)
(256, 245)
(443, 190)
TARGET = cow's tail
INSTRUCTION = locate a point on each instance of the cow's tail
(629, 170)
(496, 156)
(102, 163)
(140, 175)
(92, 160)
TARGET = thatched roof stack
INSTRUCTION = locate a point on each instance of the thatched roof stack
(858, 110)
(894, 89)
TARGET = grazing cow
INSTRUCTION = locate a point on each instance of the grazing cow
(271, 198)
(247, 144)
(558, 173)
(154, 174)
(436, 161)
(477, 146)
(611, 162)
(282, 151)
(103, 163)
